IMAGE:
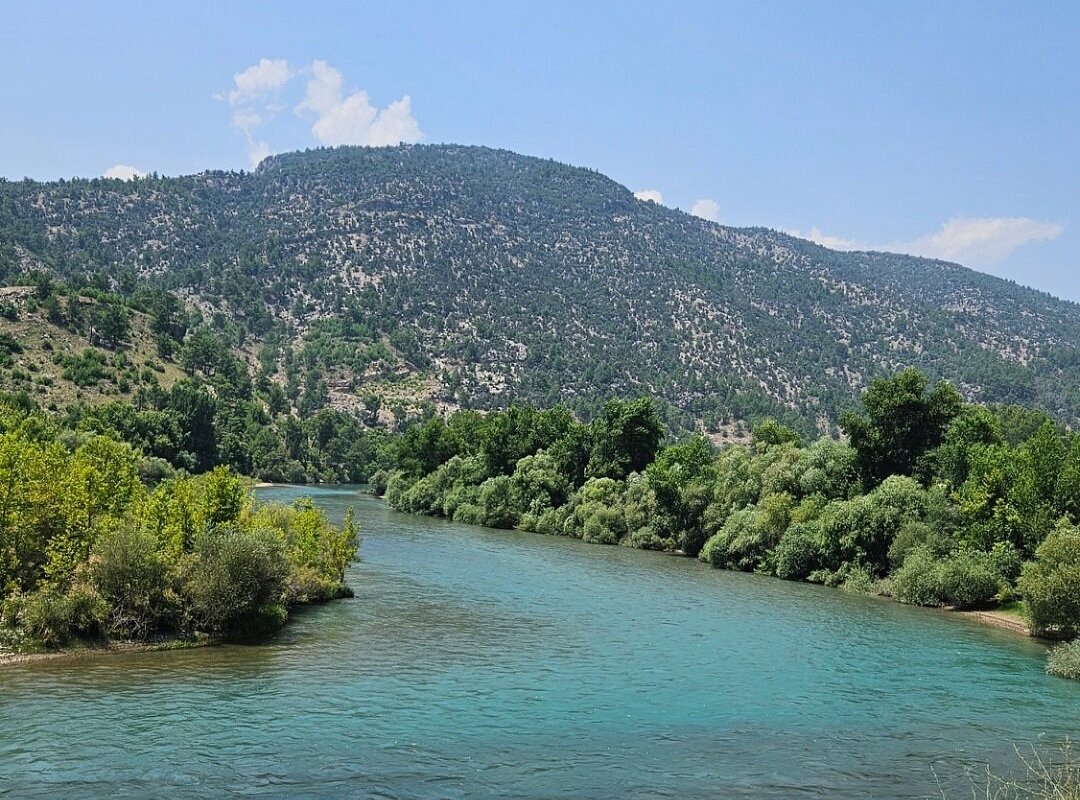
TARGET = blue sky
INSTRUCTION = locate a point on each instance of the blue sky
(942, 128)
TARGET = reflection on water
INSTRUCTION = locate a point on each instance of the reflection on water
(475, 663)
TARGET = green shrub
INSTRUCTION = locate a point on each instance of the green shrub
(861, 530)
(749, 535)
(153, 471)
(798, 553)
(307, 584)
(1064, 661)
(914, 534)
(603, 526)
(469, 514)
(552, 521)
(1006, 561)
(51, 619)
(396, 486)
(858, 580)
(1051, 583)
(233, 577)
(538, 485)
(422, 497)
(132, 575)
(378, 481)
(497, 498)
(968, 579)
(726, 547)
(918, 581)
(647, 539)
(457, 496)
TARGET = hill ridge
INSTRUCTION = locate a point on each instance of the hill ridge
(488, 276)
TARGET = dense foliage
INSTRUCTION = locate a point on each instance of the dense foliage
(364, 278)
(931, 500)
(88, 551)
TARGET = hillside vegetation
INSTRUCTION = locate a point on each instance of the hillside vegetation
(464, 277)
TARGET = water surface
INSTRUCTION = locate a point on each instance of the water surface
(479, 663)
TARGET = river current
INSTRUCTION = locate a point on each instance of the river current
(480, 663)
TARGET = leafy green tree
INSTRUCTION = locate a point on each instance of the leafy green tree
(769, 433)
(829, 469)
(625, 439)
(110, 323)
(498, 501)
(1067, 497)
(422, 448)
(681, 477)
(538, 485)
(518, 432)
(861, 530)
(900, 423)
(749, 535)
(196, 409)
(973, 427)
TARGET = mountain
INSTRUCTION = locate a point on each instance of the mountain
(467, 276)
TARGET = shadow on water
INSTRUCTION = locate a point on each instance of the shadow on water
(490, 663)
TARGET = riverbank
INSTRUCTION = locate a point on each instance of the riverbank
(10, 657)
(1005, 620)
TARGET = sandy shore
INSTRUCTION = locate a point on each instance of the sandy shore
(998, 619)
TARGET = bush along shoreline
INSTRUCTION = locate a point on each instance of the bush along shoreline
(926, 499)
(91, 555)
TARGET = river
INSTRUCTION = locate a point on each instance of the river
(480, 663)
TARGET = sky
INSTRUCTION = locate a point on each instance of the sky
(946, 129)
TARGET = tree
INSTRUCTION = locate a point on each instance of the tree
(110, 323)
(518, 432)
(1068, 484)
(422, 448)
(625, 438)
(680, 476)
(973, 426)
(196, 410)
(769, 433)
(900, 423)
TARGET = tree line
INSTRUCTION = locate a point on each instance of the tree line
(927, 499)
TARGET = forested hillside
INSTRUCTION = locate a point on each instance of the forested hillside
(368, 278)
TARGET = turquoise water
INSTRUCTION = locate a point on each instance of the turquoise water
(478, 663)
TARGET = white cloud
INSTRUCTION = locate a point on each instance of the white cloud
(980, 241)
(832, 242)
(352, 119)
(706, 209)
(973, 241)
(340, 118)
(255, 99)
(258, 82)
(123, 172)
(650, 194)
